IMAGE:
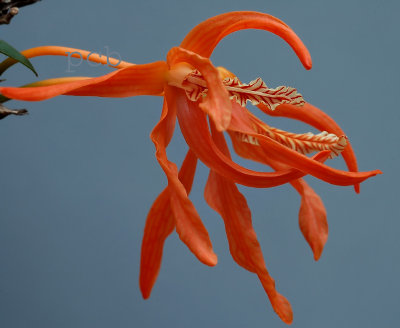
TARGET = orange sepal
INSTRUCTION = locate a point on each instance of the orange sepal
(147, 79)
(205, 36)
(188, 223)
(240, 123)
(159, 225)
(224, 197)
(318, 119)
(312, 214)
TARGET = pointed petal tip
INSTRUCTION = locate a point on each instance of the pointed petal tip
(317, 255)
(209, 259)
(145, 289)
(283, 308)
(145, 295)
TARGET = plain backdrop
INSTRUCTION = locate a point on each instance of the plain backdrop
(78, 175)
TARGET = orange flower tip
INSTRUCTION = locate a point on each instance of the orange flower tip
(357, 188)
(317, 255)
(307, 64)
(209, 259)
(145, 292)
(283, 308)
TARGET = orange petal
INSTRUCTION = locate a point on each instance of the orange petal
(66, 51)
(188, 223)
(241, 123)
(147, 79)
(317, 118)
(312, 214)
(312, 218)
(217, 104)
(206, 35)
(194, 127)
(159, 225)
(224, 197)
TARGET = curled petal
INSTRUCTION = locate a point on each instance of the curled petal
(206, 35)
(240, 123)
(194, 127)
(224, 197)
(188, 223)
(317, 118)
(217, 105)
(147, 79)
(159, 225)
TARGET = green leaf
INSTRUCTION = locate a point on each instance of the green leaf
(13, 53)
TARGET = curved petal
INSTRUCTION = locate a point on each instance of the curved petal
(67, 52)
(317, 118)
(160, 223)
(240, 123)
(147, 79)
(188, 223)
(224, 197)
(217, 105)
(194, 127)
(206, 35)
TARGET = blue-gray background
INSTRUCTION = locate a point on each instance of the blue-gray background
(78, 175)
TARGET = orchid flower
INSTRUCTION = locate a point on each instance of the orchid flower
(194, 90)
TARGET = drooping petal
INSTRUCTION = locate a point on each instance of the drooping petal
(188, 223)
(159, 225)
(312, 215)
(206, 35)
(312, 218)
(224, 197)
(194, 127)
(68, 52)
(217, 105)
(240, 123)
(147, 79)
(317, 118)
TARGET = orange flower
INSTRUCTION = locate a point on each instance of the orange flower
(194, 89)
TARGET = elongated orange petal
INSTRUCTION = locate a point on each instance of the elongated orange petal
(147, 79)
(317, 118)
(159, 225)
(194, 127)
(224, 197)
(312, 218)
(188, 223)
(312, 214)
(217, 105)
(240, 123)
(66, 51)
(206, 35)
